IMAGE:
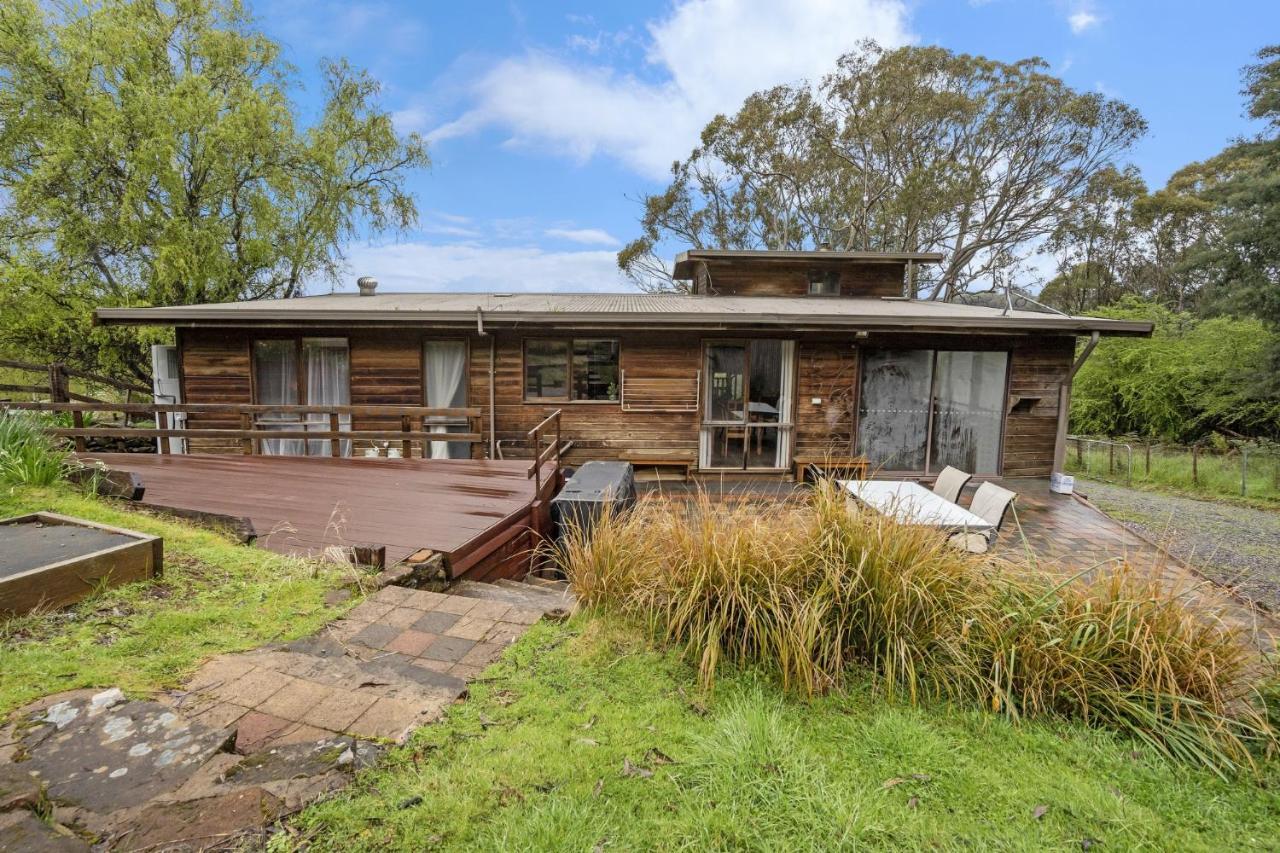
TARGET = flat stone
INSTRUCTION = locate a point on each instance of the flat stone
(455, 604)
(18, 788)
(257, 729)
(522, 615)
(401, 617)
(471, 627)
(23, 831)
(391, 595)
(448, 648)
(249, 690)
(391, 718)
(424, 599)
(483, 654)
(220, 670)
(200, 822)
(436, 622)
(120, 757)
(295, 699)
(490, 610)
(339, 710)
(411, 642)
(376, 636)
(370, 610)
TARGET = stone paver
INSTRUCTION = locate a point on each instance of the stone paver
(255, 735)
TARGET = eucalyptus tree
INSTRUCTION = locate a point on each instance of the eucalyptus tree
(913, 149)
(151, 153)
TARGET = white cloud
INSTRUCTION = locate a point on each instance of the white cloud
(1082, 20)
(585, 236)
(417, 266)
(706, 57)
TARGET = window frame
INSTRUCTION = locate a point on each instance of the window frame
(569, 384)
(299, 360)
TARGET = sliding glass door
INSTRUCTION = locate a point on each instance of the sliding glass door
(307, 371)
(746, 420)
(922, 410)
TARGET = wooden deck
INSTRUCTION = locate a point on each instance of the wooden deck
(481, 515)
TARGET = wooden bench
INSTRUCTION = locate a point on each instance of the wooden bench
(829, 465)
(685, 460)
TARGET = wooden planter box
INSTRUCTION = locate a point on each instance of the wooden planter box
(51, 561)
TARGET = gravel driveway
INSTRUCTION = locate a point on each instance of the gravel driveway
(1233, 545)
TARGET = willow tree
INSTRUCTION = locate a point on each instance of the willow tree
(913, 149)
(150, 154)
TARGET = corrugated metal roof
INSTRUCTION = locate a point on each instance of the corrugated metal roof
(615, 309)
(684, 264)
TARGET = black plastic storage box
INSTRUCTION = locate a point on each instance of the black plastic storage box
(591, 488)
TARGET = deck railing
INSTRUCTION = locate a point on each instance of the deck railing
(414, 426)
(550, 426)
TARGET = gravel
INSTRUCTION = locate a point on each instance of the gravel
(1233, 545)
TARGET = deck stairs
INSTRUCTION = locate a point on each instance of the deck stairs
(550, 597)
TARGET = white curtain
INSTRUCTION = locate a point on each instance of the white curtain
(328, 384)
(446, 363)
(275, 373)
(786, 431)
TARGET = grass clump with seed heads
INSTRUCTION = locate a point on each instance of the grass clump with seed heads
(815, 588)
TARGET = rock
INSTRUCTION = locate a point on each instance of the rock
(199, 822)
(23, 831)
(115, 755)
(18, 788)
(346, 758)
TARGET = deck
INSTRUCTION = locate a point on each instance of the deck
(480, 514)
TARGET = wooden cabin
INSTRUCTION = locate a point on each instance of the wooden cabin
(773, 358)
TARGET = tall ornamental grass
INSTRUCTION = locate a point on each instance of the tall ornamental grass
(815, 586)
(28, 457)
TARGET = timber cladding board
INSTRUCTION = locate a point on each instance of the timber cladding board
(778, 279)
(386, 368)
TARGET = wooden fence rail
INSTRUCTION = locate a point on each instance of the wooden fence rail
(550, 424)
(252, 431)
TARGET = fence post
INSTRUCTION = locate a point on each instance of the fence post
(1195, 473)
(59, 386)
(335, 444)
(1111, 459)
(1148, 449)
(1244, 471)
(406, 446)
(77, 420)
(162, 423)
(246, 424)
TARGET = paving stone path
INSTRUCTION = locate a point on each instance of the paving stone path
(254, 735)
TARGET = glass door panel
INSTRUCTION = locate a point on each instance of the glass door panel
(968, 411)
(893, 409)
(446, 367)
(747, 407)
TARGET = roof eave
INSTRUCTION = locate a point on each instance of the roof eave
(251, 317)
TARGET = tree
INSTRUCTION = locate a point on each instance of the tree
(150, 154)
(914, 149)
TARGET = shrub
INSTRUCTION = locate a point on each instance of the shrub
(812, 588)
(27, 455)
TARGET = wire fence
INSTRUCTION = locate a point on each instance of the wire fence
(1244, 469)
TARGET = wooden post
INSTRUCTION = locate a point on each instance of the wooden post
(1195, 473)
(59, 386)
(246, 443)
(1111, 459)
(406, 446)
(162, 422)
(77, 420)
(1148, 449)
(335, 444)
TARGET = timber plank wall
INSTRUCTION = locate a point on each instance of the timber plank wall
(866, 280)
(386, 369)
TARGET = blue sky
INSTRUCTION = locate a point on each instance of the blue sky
(548, 120)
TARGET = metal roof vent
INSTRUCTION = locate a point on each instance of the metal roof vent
(367, 284)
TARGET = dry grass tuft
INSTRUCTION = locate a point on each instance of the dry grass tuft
(813, 587)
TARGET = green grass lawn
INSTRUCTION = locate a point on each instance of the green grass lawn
(215, 596)
(585, 738)
(1217, 476)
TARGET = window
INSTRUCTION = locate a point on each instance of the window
(747, 407)
(309, 372)
(824, 283)
(583, 369)
(922, 410)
